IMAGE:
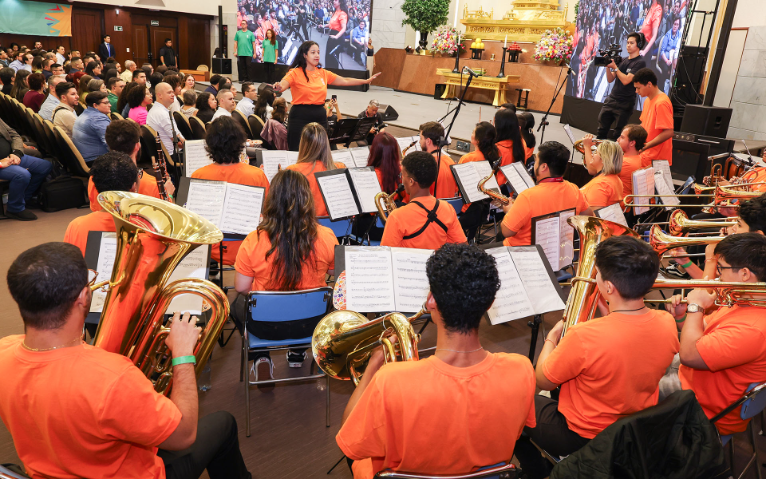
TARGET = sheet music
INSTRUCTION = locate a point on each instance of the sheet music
(105, 265)
(538, 285)
(664, 167)
(369, 279)
(416, 139)
(643, 184)
(206, 199)
(242, 209)
(404, 143)
(513, 178)
(566, 237)
(410, 281)
(522, 171)
(367, 186)
(666, 192)
(511, 301)
(612, 213)
(273, 159)
(196, 156)
(337, 195)
(568, 131)
(343, 156)
(548, 235)
(360, 155)
(469, 179)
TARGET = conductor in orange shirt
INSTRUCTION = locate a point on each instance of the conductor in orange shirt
(425, 222)
(604, 164)
(656, 118)
(431, 135)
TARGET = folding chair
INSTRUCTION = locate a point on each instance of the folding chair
(456, 203)
(753, 403)
(197, 128)
(115, 116)
(182, 122)
(69, 155)
(239, 117)
(280, 306)
(256, 126)
(501, 471)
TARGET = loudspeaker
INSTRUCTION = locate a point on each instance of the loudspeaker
(222, 66)
(690, 159)
(706, 120)
(387, 112)
(689, 74)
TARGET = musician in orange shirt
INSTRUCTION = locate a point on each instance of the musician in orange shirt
(604, 164)
(456, 411)
(424, 222)
(656, 118)
(431, 135)
(483, 138)
(631, 140)
(508, 140)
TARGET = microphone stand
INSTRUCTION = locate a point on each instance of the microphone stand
(544, 122)
(449, 129)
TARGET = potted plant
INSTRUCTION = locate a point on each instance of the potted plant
(555, 46)
(425, 16)
(446, 42)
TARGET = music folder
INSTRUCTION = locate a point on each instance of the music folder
(643, 184)
(468, 175)
(612, 213)
(517, 177)
(556, 237)
(195, 156)
(348, 192)
(274, 160)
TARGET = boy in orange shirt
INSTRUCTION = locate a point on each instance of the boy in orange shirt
(722, 353)
(609, 367)
(431, 134)
(656, 118)
(631, 141)
(456, 411)
(424, 222)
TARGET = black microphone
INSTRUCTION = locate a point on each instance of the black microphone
(470, 72)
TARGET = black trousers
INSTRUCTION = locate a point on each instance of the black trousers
(551, 433)
(242, 64)
(300, 116)
(216, 449)
(333, 50)
(269, 68)
(611, 111)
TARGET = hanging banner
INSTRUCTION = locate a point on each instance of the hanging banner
(35, 18)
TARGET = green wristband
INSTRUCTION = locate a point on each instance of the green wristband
(687, 264)
(184, 360)
(677, 321)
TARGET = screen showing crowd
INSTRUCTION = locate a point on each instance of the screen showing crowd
(340, 27)
(602, 24)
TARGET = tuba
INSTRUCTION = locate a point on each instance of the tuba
(153, 236)
(386, 203)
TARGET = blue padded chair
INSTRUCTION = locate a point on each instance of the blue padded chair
(456, 203)
(6, 473)
(753, 403)
(365, 240)
(498, 471)
(278, 306)
(341, 228)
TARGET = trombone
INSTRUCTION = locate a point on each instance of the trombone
(662, 242)
(679, 223)
(728, 293)
(722, 196)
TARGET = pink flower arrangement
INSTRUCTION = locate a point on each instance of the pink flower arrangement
(555, 45)
(446, 41)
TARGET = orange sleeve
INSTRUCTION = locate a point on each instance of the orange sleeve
(329, 77)
(731, 345)
(519, 215)
(663, 116)
(582, 202)
(290, 77)
(243, 264)
(363, 434)
(392, 234)
(567, 361)
(148, 187)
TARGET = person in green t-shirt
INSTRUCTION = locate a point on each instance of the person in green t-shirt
(244, 45)
(270, 53)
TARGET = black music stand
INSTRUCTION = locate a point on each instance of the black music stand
(349, 130)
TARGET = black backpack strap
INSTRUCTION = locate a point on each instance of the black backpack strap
(432, 218)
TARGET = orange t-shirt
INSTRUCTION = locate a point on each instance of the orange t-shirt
(629, 165)
(603, 190)
(402, 196)
(252, 261)
(312, 92)
(476, 415)
(410, 218)
(611, 367)
(656, 116)
(542, 199)
(78, 229)
(147, 186)
(733, 346)
(505, 148)
(75, 410)
(446, 180)
(308, 170)
(338, 21)
(653, 18)
(757, 175)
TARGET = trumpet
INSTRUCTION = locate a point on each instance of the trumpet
(385, 203)
(494, 194)
(728, 293)
(581, 148)
(404, 151)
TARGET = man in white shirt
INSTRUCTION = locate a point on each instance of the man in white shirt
(226, 104)
(64, 115)
(160, 118)
(19, 62)
(127, 75)
(50, 103)
(247, 104)
(60, 58)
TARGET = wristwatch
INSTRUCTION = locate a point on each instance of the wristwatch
(694, 308)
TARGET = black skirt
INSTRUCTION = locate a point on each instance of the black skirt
(300, 116)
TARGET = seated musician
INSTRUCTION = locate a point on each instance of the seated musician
(656, 118)
(289, 251)
(724, 352)
(605, 189)
(508, 140)
(224, 141)
(431, 134)
(552, 193)
(95, 414)
(483, 139)
(631, 140)
(113, 171)
(124, 136)
(462, 408)
(425, 222)
(609, 367)
(314, 155)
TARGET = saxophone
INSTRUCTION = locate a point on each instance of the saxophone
(404, 151)
(494, 194)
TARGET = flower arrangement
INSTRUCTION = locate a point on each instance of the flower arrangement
(555, 45)
(446, 41)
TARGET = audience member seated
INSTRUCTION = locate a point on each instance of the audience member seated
(425, 222)
(289, 251)
(98, 85)
(431, 134)
(249, 95)
(20, 85)
(372, 112)
(274, 130)
(115, 86)
(139, 76)
(213, 87)
(396, 417)
(604, 164)
(138, 99)
(25, 172)
(7, 75)
(189, 83)
(226, 104)
(162, 120)
(64, 115)
(82, 88)
(123, 108)
(127, 74)
(52, 101)
(51, 287)
(90, 127)
(94, 69)
(631, 141)
(35, 96)
(77, 65)
(206, 106)
(551, 194)
(314, 155)
(23, 61)
(263, 106)
(189, 98)
(508, 141)
(175, 84)
(608, 368)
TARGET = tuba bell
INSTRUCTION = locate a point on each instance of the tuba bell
(153, 236)
(385, 203)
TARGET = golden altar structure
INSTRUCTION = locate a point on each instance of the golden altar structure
(525, 22)
(498, 85)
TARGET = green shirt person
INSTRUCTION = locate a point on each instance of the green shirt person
(270, 51)
(244, 41)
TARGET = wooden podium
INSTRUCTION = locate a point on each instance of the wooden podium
(498, 85)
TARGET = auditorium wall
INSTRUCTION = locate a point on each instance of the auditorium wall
(748, 101)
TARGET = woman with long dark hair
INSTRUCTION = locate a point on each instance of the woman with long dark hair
(508, 140)
(122, 101)
(527, 124)
(20, 85)
(308, 82)
(206, 106)
(270, 53)
(289, 251)
(263, 105)
(338, 25)
(483, 139)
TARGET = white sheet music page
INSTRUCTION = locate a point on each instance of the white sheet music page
(241, 209)
(273, 160)
(511, 301)
(540, 289)
(547, 235)
(469, 178)
(416, 139)
(196, 156)
(404, 143)
(367, 186)
(106, 255)
(343, 156)
(523, 173)
(337, 195)
(206, 199)
(566, 236)
(193, 266)
(665, 192)
(643, 184)
(369, 279)
(513, 178)
(410, 281)
(360, 155)
(612, 213)
(664, 167)
(568, 131)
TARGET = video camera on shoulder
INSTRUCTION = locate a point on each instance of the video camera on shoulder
(605, 57)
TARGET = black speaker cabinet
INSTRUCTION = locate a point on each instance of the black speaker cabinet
(388, 113)
(706, 120)
(222, 66)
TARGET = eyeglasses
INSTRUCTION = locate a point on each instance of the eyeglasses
(104, 102)
(718, 268)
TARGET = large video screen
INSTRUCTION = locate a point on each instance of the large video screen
(340, 27)
(601, 23)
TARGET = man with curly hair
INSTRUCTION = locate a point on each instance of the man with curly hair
(456, 411)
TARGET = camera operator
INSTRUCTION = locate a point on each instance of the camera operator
(621, 101)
